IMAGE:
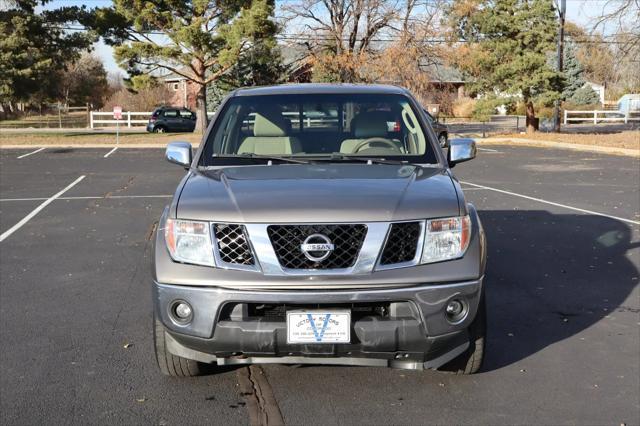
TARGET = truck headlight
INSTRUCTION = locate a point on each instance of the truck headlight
(189, 241)
(446, 239)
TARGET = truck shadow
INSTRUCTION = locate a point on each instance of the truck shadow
(551, 276)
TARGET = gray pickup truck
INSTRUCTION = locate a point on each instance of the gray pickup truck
(319, 224)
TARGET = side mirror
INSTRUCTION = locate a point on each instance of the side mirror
(179, 153)
(461, 150)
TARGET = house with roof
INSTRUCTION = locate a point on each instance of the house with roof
(183, 91)
(444, 80)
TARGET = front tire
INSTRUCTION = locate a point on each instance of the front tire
(470, 361)
(159, 129)
(169, 364)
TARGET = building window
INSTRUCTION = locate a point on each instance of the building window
(176, 86)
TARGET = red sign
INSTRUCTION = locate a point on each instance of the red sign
(117, 112)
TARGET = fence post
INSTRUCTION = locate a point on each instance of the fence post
(565, 116)
(517, 123)
(595, 117)
(626, 117)
(128, 118)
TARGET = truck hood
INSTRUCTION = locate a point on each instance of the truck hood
(322, 193)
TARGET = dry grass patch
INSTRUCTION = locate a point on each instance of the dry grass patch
(91, 139)
(626, 139)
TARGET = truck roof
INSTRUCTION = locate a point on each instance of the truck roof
(320, 88)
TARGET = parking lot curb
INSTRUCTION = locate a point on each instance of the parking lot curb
(561, 145)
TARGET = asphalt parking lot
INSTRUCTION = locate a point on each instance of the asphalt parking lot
(563, 229)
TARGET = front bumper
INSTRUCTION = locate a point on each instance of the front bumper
(414, 333)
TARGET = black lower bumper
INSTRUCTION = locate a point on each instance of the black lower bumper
(411, 333)
(384, 340)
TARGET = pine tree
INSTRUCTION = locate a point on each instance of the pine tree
(200, 40)
(508, 43)
(33, 47)
(573, 72)
(585, 96)
(262, 64)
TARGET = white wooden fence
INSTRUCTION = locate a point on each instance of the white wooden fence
(129, 119)
(597, 116)
(133, 119)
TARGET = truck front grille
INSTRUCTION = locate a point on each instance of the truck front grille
(402, 243)
(288, 239)
(233, 245)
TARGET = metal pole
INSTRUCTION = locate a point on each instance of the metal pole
(561, 15)
(117, 131)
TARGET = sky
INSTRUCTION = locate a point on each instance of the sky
(580, 11)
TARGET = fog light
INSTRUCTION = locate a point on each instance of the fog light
(456, 310)
(453, 308)
(181, 311)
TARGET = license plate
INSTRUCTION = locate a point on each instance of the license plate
(319, 326)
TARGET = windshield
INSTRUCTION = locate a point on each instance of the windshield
(314, 126)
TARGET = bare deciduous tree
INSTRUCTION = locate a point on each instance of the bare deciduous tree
(83, 82)
(623, 17)
(415, 49)
(146, 99)
(341, 32)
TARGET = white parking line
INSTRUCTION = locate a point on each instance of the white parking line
(110, 152)
(95, 197)
(502, 191)
(37, 210)
(489, 150)
(31, 153)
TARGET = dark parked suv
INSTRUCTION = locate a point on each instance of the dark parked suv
(171, 119)
(440, 129)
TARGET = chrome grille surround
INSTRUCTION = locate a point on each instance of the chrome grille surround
(232, 247)
(403, 245)
(265, 259)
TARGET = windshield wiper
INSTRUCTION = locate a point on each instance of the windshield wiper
(370, 160)
(265, 157)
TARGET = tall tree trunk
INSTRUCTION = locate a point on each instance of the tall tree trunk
(201, 105)
(532, 121)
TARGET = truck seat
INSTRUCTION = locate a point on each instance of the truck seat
(270, 136)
